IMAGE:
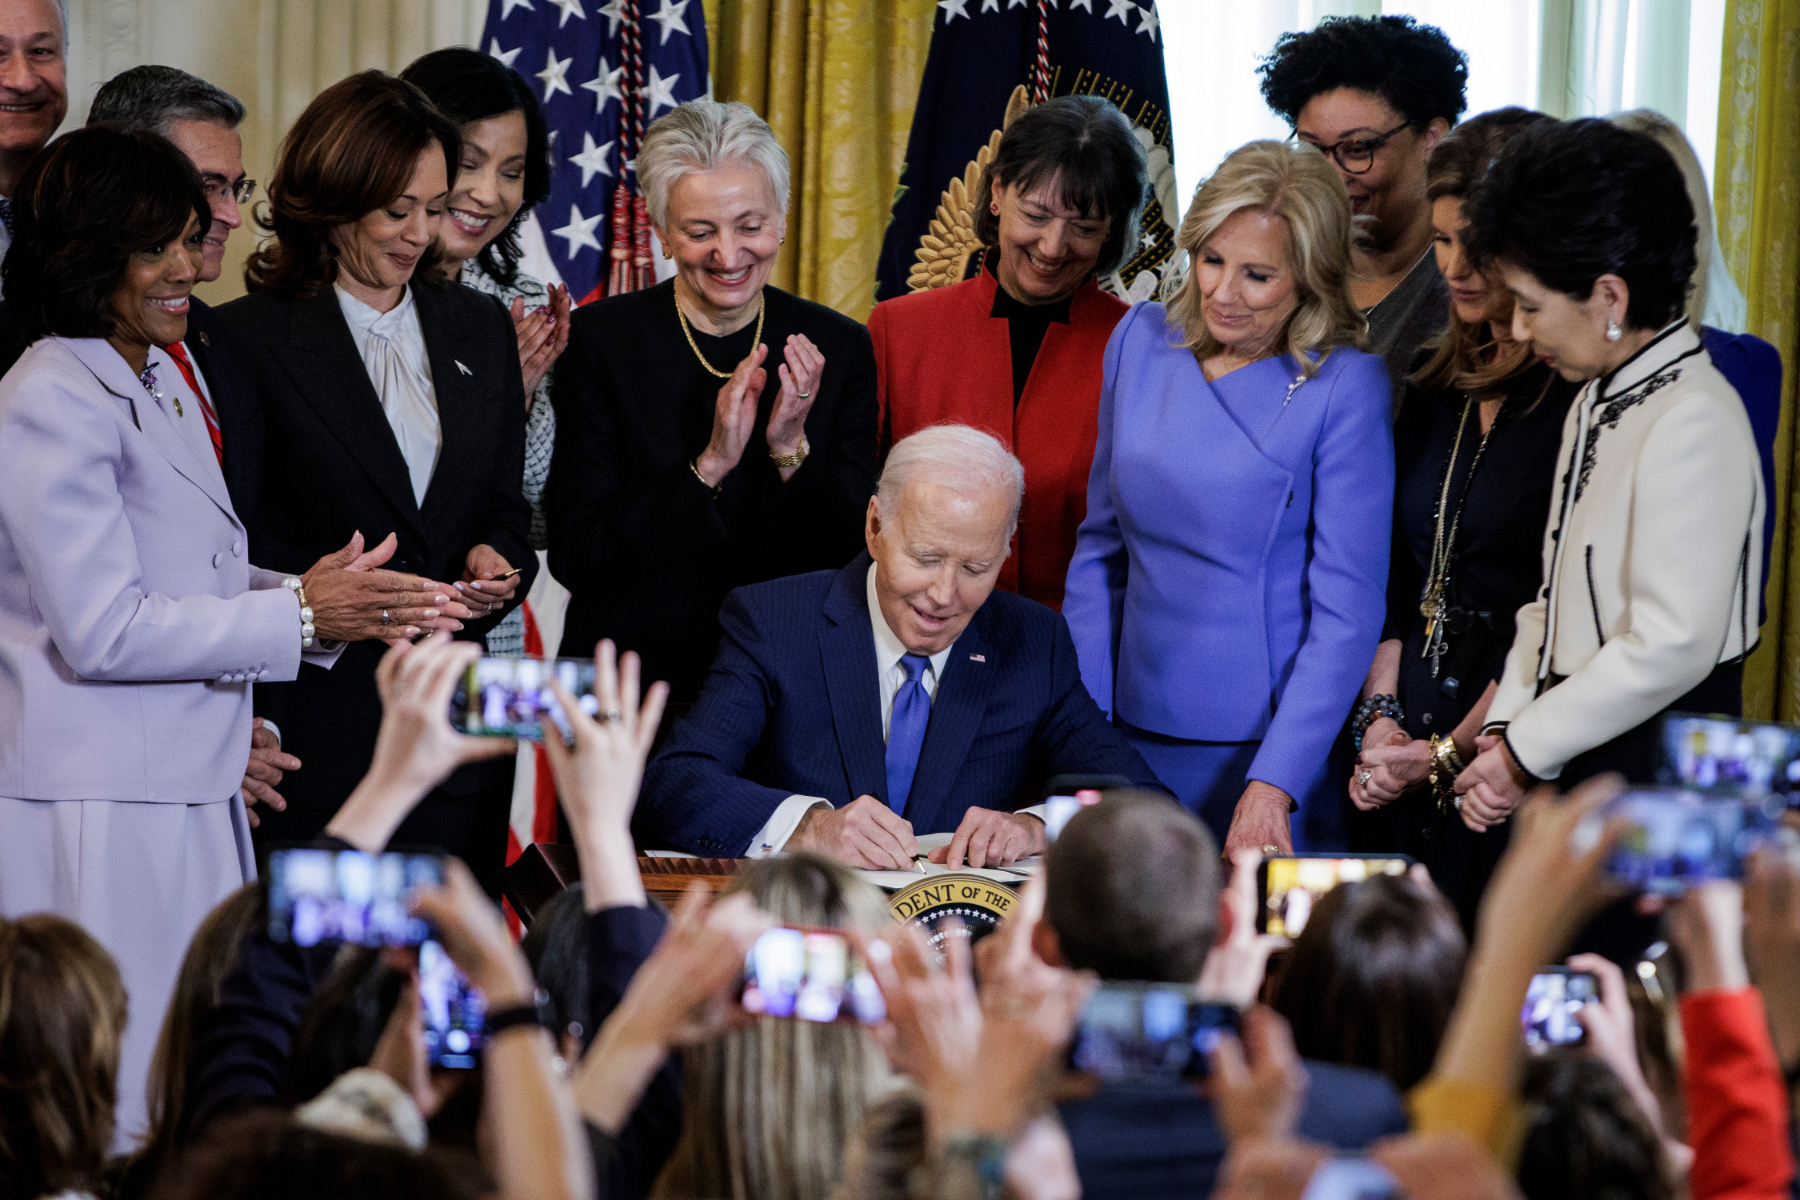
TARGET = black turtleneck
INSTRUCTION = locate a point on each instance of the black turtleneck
(1026, 326)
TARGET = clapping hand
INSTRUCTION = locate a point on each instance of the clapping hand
(543, 335)
(800, 372)
(352, 601)
(488, 581)
(416, 749)
(734, 416)
(597, 778)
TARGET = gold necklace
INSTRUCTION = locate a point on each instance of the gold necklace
(761, 309)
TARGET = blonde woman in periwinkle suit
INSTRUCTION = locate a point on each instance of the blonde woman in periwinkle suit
(132, 624)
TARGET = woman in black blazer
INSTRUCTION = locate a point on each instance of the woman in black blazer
(713, 430)
(394, 407)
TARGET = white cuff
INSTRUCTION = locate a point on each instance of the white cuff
(1036, 810)
(273, 728)
(781, 825)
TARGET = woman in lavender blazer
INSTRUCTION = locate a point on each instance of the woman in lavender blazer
(132, 625)
(1227, 589)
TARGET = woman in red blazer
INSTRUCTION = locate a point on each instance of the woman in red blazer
(1016, 349)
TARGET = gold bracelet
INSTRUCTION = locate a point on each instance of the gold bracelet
(1446, 764)
(796, 458)
(714, 488)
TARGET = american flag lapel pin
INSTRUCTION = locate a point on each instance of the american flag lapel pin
(460, 367)
(981, 658)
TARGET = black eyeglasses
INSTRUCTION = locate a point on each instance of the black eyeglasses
(218, 185)
(1357, 155)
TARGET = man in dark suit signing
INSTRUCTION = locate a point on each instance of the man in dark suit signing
(1132, 894)
(849, 710)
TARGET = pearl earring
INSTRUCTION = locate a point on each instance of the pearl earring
(1613, 332)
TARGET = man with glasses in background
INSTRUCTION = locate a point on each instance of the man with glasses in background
(1375, 94)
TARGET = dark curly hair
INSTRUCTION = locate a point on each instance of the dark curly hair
(1372, 979)
(469, 86)
(1087, 146)
(1570, 201)
(351, 151)
(88, 202)
(1411, 66)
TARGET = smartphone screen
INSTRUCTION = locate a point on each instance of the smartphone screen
(1717, 753)
(1352, 1179)
(318, 895)
(1058, 810)
(1148, 1031)
(511, 697)
(809, 974)
(1552, 999)
(1288, 887)
(455, 1011)
(1677, 837)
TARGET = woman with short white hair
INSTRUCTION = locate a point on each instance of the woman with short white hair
(1229, 583)
(713, 430)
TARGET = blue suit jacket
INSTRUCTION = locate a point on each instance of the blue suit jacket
(1230, 581)
(793, 707)
(1164, 1140)
(1753, 368)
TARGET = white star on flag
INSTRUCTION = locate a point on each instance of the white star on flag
(555, 76)
(1147, 19)
(662, 91)
(592, 159)
(614, 12)
(990, 5)
(1012, 4)
(954, 9)
(670, 18)
(506, 7)
(1121, 9)
(504, 56)
(570, 8)
(579, 231)
(1075, 4)
(605, 84)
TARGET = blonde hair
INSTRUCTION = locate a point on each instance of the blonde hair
(1668, 135)
(769, 1110)
(1298, 184)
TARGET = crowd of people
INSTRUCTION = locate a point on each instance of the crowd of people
(1420, 496)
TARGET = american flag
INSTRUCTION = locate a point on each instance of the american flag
(603, 72)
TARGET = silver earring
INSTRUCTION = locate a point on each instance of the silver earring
(1613, 332)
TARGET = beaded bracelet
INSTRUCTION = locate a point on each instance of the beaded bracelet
(1384, 705)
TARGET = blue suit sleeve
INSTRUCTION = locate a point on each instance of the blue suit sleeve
(695, 797)
(1094, 594)
(1075, 736)
(1346, 578)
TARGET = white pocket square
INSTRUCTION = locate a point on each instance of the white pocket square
(460, 367)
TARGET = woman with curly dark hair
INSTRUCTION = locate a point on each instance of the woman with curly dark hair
(1375, 94)
(395, 408)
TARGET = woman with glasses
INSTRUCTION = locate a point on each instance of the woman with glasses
(1376, 94)
(1227, 589)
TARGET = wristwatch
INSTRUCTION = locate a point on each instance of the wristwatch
(794, 459)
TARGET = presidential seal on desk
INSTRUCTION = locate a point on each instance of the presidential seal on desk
(977, 905)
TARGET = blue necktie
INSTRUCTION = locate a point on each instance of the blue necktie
(906, 731)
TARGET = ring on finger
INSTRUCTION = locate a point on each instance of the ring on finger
(384, 617)
(804, 395)
(1363, 777)
(611, 715)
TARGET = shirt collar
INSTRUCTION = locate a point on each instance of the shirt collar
(362, 316)
(889, 650)
(1673, 341)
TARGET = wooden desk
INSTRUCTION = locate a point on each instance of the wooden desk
(546, 868)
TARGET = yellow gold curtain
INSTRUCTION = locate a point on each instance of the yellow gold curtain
(836, 80)
(1757, 207)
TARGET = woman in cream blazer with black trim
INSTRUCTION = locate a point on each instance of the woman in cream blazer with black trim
(1654, 542)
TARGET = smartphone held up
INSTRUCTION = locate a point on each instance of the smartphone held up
(512, 697)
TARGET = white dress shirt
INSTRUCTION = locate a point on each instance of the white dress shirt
(890, 674)
(393, 349)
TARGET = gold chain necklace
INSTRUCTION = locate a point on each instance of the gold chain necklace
(761, 310)
(1434, 606)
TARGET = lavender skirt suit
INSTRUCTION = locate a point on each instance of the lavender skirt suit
(132, 627)
(1228, 586)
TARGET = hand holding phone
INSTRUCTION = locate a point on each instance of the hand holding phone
(512, 697)
(1677, 837)
(1552, 999)
(1289, 885)
(809, 974)
(455, 1011)
(318, 895)
(1148, 1031)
